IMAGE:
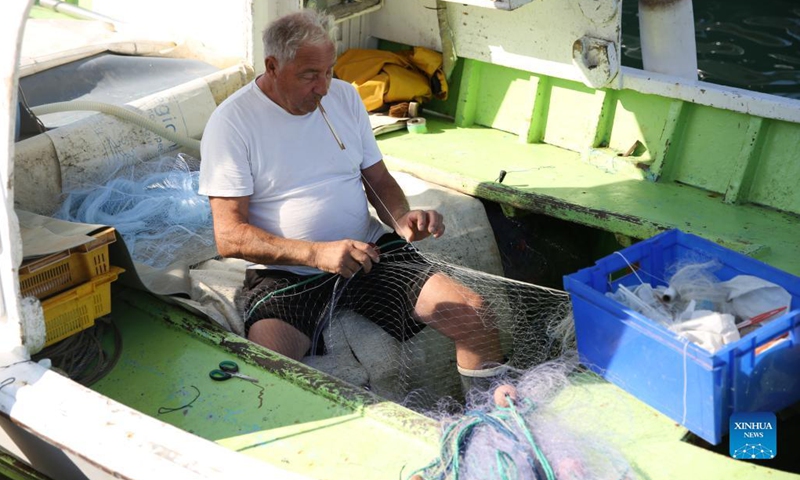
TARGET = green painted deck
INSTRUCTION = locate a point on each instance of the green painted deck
(310, 423)
(305, 421)
(622, 161)
(556, 181)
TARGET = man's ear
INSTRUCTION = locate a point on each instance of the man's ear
(271, 66)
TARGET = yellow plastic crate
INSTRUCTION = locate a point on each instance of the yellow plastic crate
(60, 271)
(75, 310)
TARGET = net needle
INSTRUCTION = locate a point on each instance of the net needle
(327, 120)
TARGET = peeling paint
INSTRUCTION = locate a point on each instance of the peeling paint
(547, 204)
(298, 374)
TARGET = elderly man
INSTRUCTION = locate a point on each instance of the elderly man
(289, 163)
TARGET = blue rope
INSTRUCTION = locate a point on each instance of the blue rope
(458, 434)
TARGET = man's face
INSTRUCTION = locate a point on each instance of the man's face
(301, 83)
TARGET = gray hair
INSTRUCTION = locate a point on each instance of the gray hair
(283, 37)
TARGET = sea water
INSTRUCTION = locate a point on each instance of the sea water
(747, 44)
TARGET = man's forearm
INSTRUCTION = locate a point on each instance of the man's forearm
(344, 257)
(388, 199)
(259, 246)
(396, 205)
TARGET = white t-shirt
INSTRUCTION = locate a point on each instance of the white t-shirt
(301, 184)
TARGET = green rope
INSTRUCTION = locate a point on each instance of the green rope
(548, 470)
(284, 289)
(456, 438)
(507, 469)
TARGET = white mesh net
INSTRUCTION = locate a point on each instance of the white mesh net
(373, 331)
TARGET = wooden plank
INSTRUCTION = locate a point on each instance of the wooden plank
(468, 97)
(605, 118)
(541, 103)
(741, 178)
(670, 134)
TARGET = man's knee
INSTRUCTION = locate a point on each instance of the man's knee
(474, 301)
(469, 309)
(450, 292)
(279, 336)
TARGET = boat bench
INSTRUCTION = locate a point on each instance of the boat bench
(558, 182)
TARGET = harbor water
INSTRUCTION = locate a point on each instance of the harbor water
(747, 44)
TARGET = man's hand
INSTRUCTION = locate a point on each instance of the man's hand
(344, 257)
(418, 224)
(390, 202)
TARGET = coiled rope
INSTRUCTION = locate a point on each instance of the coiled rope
(456, 438)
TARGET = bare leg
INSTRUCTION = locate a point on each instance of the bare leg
(279, 336)
(454, 310)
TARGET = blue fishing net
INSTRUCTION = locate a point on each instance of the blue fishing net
(155, 207)
(533, 436)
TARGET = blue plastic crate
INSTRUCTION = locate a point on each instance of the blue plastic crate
(692, 386)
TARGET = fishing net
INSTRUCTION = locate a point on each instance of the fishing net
(366, 331)
(154, 206)
(527, 430)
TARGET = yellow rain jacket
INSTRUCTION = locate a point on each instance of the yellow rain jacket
(383, 77)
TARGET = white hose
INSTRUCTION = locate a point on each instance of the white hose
(76, 11)
(120, 112)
